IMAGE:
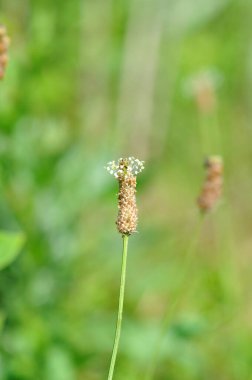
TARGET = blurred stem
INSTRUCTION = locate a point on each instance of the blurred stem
(120, 308)
(170, 310)
(210, 134)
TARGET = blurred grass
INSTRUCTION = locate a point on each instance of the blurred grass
(89, 81)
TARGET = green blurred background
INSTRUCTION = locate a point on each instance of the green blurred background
(90, 81)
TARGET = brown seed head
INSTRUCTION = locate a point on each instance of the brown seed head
(4, 44)
(127, 209)
(212, 188)
(125, 170)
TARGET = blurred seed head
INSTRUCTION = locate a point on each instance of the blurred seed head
(212, 188)
(203, 88)
(125, 171)
(4, 45)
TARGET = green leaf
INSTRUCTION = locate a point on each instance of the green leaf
(10, 245)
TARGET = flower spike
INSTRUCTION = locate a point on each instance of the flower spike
(125, 171)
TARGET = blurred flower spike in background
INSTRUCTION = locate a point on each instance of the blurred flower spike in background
(4, 45)
(212, 188)
(203, 87)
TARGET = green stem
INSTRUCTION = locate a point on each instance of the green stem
(120, 308)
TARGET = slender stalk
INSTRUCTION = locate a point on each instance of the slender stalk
(120, 308)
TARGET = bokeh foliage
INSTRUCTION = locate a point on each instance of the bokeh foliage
(90, 81)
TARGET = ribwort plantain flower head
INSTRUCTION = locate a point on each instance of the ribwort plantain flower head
(125, 171)
(212, 188)
(4, 45)
(125, 167)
